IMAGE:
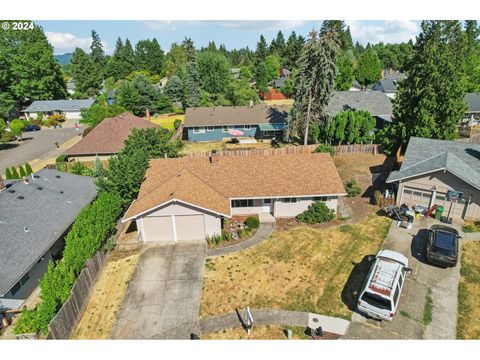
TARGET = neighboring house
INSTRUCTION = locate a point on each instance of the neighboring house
(284, 75)
(188, 198)
(70, 108)
(432, 168)
(355, 86)
(107, 138)
(375, 102)
(472, 116)
(70, 86)
(387, 86)
(217, 123)
(35, 215)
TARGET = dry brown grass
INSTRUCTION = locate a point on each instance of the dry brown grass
(167, 121)
(357, 166)
(468, 324)
(107, 295)
(288, 102)
(302, 269)
(263, 332)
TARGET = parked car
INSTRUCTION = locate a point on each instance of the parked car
(381, 291)
(442, 246)
(32, 128)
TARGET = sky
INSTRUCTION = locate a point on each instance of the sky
(65, 36)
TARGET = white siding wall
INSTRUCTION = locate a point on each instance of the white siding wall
(283, 209)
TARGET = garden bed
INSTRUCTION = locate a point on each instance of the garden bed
(230, 227)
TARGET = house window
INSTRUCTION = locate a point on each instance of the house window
(199, 129)
(289, 200)
(267, 201)
(15, 288)
(209, 128)
(224, 129)
(320, 198)
(242, 203)
(230, 127)
(24, 279)
(247, 127)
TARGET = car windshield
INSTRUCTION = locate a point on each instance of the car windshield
(377, 301)
(444, 243)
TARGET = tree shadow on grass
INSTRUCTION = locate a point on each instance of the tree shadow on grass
(353, 286)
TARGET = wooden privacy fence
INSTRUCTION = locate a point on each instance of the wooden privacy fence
(64, 323)
(339, 150)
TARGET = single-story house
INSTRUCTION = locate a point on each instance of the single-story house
(70, 108)
(107, 138)
(387, 86)
(472, 116)
(188, 198)
(35, 214)
(435, 171)
(217, 123)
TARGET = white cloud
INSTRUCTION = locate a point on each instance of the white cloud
(388, 31)
(66, 42)
(253, 25)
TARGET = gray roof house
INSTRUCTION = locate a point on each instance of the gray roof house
(433, 168)
(34, 216)
(70, 108)
(472, 115)
(387, 86)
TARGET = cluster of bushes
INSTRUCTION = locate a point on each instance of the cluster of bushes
(177, 123)
(325, 148)
(317, 212)
(218, 239)
(471, 227)
(12, 173)
(352, 188)
(94, 224)
(252, 222)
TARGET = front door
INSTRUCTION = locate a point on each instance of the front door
(267, 205)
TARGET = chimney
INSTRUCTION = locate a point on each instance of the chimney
(147, 115)
(2, 185)
(214, 157)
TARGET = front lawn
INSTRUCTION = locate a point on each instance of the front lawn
(167, 121)
(302, 268)
(468, 324)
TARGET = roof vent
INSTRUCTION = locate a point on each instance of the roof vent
(11, 191)
(36, 176)
(20, 197)
(58, 176)
(61, 191)
(25, 229)
(39, 188)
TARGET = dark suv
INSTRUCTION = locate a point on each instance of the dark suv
(442, 246)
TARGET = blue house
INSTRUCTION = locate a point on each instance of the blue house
(217, 123)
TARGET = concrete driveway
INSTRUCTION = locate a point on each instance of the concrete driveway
(440, 284)
(34, 145)
(163, 297)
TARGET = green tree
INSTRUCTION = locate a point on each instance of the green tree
(8, 174)
(272, 64)
(369, 69)
(346, 72)
(99, 111)
(98, 168)
(343, 32)
(176, 60)
(3, 126)
(190, 51)
(313, 83)
(241, 93)
(428, 103)
(22, 172)
(293, 49)
(164, 105)
(17, 126)
(261, 77)
(472, 32)
(122, 62)
(97, 54)
(28, 169)
(277, 46)
(86, 74)
(149, 56)
(214, 72)
(14, 172)
(174, 89)
(192, 86)
(262, 50)
(138, 95)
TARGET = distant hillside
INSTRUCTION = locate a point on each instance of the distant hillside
(64, 59)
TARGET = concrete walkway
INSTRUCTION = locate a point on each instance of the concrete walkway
(263, 232)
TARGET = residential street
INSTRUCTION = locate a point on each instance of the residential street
(35, 145)
(443, 284)
(163, 296)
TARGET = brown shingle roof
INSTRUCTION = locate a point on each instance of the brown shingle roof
(108, 136)
(198, 182)
(235, 115)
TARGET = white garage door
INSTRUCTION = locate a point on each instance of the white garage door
(190, 227)
(158, 228)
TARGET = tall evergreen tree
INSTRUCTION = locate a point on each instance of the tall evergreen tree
(428, 102)
(214, 71)
(313, 83)
(96, 52)
(192, 86)
(277, 46)
(190, 51)
(262, 50)
(261, 77)
(149, 56)
(369, 69)
(87, 76)
(121, 64)
(346, 71)
(472, 59)
(174, 89)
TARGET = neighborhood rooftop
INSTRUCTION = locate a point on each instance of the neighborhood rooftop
(59, 105)
(108, 137)
(235, 115)
(473, 102)
(212, 184)
(375, 102)
(424, 156)
(34, 215)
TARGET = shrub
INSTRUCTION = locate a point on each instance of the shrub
(38, 122)
(56, 118)
(241, 233)
(252, 222)
(8, 174)
(352, 188)
(276, 143)
(78, 168)
(234, 140)
(15, 174)
(22, 172)
(317, 212)
(61, 166)
(28, 169)
(177, 123)
(324, 148)
(86, 131)
(61, 158)
(7, 136)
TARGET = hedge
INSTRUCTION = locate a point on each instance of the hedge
(317, 212)
(93, 226)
